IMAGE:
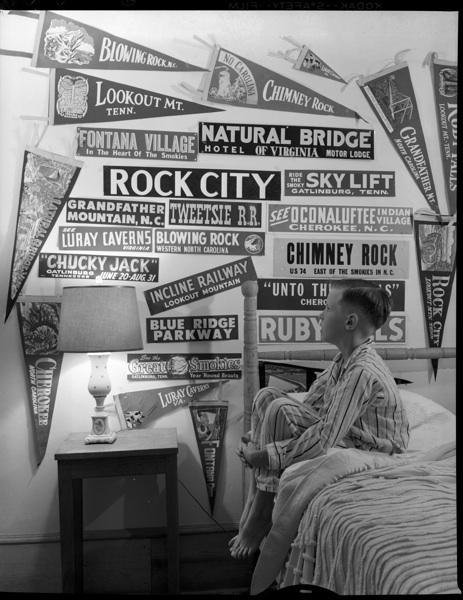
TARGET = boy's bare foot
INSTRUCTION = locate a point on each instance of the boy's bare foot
(256, 526)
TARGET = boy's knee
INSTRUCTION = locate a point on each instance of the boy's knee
(264, 397)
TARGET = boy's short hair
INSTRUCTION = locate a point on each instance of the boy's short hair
(374, 302)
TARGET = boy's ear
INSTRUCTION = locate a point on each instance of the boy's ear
(351, 321)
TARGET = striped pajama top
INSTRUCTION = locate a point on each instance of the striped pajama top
(355, 404)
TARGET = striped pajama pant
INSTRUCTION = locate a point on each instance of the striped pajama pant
(275, 417)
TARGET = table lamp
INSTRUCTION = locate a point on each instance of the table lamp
(99, 320)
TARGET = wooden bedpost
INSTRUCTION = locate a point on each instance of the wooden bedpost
(250, 360)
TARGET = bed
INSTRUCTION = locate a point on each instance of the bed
(358, 523)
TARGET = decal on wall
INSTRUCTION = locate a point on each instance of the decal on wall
(198, 286)
(191, 329)
(311, 294)
(286, 141)
(39, 327)
(202, 213)
(191, 183)
(186, 241)
(183, 366)
(134, 143)
(435, 244)
(445, 83)
(77, 97)
(237, 81)
(339, 219)
(391, 96)
(114, 212)
(63, 41)
(46, 181)
(106, 238)
(139, 408)
(339, 183)
(303, 329)
(209, 421)
(299, 258)
(104, 267)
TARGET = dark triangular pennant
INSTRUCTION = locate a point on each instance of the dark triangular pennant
(237, 81)
(435, 242)
(79, 98)
(39, 327)
(309, 62)
(391, 96)
(46, 181)
(61, 41)
(209, 421)
(445, 82)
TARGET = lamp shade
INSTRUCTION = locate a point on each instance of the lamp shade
(99, 319)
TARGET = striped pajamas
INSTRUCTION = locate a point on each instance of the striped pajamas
(353, 405)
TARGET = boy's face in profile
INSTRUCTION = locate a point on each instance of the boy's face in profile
(333, 318)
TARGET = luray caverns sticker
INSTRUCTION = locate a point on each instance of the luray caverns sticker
(191, 329)
(133, 143)
(75, 97)
(186, 241)
(109, 238)
(191, 183)
(104, 267)
(286, 141)
(303, 329)
(62, 41)
(183, 366)
(339, 219)
(299, 258)
(114, 212)
(201, 285)
(339, 183)
(215, 214)
(311, 294)
(240, 82)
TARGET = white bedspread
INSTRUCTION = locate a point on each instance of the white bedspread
(416, 490)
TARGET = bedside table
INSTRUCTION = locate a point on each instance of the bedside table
(134, 452)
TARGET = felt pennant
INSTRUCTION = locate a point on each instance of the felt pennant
(61, 41)
(391, 96)
(445, 84)
(39, 326)
(435, 242)
(237, 81)
(78, 98)
(47, 180)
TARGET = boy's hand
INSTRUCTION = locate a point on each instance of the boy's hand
(253, 458)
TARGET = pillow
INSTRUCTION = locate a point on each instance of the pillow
(419, 408)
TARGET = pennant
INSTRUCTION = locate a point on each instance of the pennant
(445, 81)
(237, 81)
(79, 98)
(39, 327)
(137, 409)
(61, 41)
(47, 180)
(209, 421)
(309, 62)
(435, 243)
(391, 96)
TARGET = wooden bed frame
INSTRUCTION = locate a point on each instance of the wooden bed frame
(251, 354)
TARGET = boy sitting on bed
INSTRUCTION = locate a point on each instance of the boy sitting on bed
(355, 403)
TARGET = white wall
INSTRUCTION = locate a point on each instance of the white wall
(352, 43)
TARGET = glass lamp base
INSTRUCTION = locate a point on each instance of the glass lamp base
(105, 438)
